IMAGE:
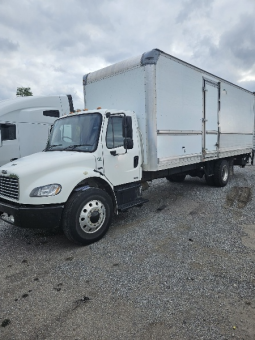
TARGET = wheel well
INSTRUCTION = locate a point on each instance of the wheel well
(97, 183)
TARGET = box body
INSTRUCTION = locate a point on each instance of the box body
(185, 115)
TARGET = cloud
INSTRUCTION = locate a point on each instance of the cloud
(194, 7)
(49, 45)
(240, 41)
(8, 46)
(224, 47)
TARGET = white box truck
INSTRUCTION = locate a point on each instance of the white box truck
(25, 123)
(162, 118)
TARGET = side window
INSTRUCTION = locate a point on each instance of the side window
(8, 131)
(114, 136)
(51, 113)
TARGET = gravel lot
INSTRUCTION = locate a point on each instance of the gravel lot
(181, 267)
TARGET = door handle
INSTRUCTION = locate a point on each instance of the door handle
(136, 161)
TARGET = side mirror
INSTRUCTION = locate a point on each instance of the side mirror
(128, 143)
(127, 131)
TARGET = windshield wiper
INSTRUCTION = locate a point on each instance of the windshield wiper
(71, 147)
(52, 146)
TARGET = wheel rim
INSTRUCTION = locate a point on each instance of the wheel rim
(92, 216)
(225, 173)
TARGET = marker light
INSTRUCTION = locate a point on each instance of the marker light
(99, 108)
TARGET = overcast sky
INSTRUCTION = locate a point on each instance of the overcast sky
(49, 45)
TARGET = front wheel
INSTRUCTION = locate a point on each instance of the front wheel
(87, 216)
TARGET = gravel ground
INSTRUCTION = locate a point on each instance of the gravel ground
(181, 267)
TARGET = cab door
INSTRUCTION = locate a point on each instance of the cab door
(121, 166)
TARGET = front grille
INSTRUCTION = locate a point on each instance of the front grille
(9, 187)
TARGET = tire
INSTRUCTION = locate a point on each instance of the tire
(176, 178)
(87, 216)
(210, 180)
(221, 173)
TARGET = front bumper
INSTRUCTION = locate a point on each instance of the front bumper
(31, 216)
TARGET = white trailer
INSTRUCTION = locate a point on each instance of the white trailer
(25, 123)
(162, 118)
(186, 115)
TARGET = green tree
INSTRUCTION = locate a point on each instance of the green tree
(24, 92)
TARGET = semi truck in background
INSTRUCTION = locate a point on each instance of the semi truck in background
(25, 123)
(161, 118)
(253, 148)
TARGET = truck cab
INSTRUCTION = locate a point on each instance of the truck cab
(90, 168)
(99, 135)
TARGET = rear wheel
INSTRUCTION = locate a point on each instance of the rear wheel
(221, 173)
(176, 178)
(87, 216)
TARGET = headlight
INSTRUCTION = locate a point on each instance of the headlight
(47, 190)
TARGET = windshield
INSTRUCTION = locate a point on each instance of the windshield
(75, 133)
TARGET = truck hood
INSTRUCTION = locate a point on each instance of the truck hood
(43, 162)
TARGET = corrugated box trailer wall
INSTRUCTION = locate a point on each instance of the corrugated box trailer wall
(186, 115)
